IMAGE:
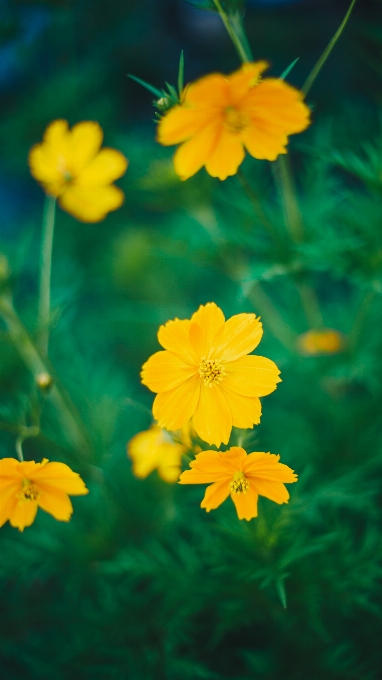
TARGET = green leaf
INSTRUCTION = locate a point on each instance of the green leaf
(288, 69)
(148, 87)
(181, 74)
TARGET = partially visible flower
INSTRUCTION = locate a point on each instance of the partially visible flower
(27, 486)
(222, 116)
(155, 449)
(242, 476)
(205, 374)
(325, 341)
(70, 166)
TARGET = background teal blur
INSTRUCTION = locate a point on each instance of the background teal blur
(142, 584)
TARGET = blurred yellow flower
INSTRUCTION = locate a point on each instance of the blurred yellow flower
(325, 341)
(221, 116)
(204, 374)
(243, 476)
(70, 166)
(154, 449)
(27, 486)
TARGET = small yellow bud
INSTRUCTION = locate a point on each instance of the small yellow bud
(44, 381)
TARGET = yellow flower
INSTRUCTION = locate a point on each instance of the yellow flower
(27, 486)
(70, 166)
(220, 116)
(243, 477)
(204, 374)
(154, 449)
(325, 341)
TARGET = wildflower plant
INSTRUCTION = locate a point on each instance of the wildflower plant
(198, 333)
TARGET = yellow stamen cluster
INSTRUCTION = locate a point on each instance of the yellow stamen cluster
(236, 121)
(239, 484)
(29, 491)
(211, 371)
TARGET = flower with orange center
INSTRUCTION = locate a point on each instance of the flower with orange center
(324, 341)
(242, 476)
(205, 373)
(71, 167)
(27, 486)
(155, 449)
(222, 116)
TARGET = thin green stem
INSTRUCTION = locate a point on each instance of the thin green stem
(256, 204)
(25, 433)
(70, 419)
(292, 214)
(19, 448)
(278, 327)
(236, 33)
(45, 274)
(310, 305)
(324, 56)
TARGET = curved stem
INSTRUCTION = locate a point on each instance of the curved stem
(321, 61)
(236, 33)
(67, 411)
(45, 274)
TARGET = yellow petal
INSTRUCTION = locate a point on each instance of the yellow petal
(90, 204)
(9, 468)
(8, 500)
(215, 495)
(251, 376)
(85, 141)
(226, 157)
(45, 167)
(239, 335)
(205, 324)
(169, 474)
(198, 477)
(182, 123)
(246, 503)
(56, 503)
(174, 408)
(206, 468)
(193, 154)
(246, 411)
(280, 105)
(266, 466)
(56, 134)
(210, 92)
(233, 458)
(106, 167)
(213, 419)
(175, 337)
(275, 491)
(23, 514)
(165, 371)
(263, 145)
(244, 80)
(58, 476)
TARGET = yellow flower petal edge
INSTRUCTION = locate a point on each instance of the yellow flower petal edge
(156, 449)
(27, 486)
(242, 476)
(220, 117)
(70, 165)
(206, 373)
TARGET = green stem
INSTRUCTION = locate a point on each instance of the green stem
(310, 305)
(321, 61)
(67, 412)
(19, 449)
(256, 204)
(45, 274)
(236, 32)
(291, 208)
(278, 327)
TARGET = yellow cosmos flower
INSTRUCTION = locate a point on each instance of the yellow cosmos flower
(70, 166)
(241, 476)
(222, 116)
(325, 341)
(27, 486)
(155, 449)
(204, 374)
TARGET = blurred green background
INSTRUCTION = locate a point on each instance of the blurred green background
(142, 583)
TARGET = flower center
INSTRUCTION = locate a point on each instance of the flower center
(236, 121)
(239, 484)
(211, 371)
(29, 491)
